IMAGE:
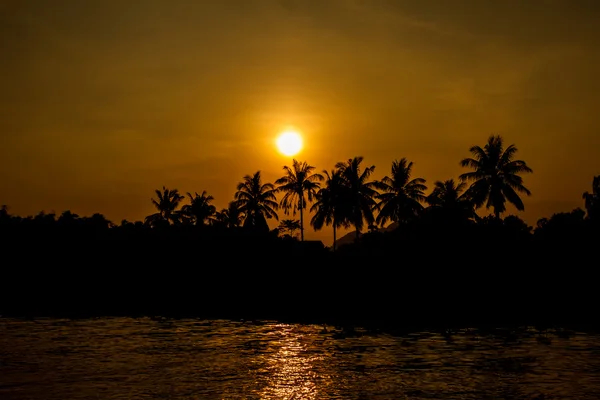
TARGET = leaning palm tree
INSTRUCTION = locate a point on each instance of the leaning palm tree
(359, 198)
(257, 201)
(199, 211)
(299, 184)
(328, 207)
(166, 202)
(399, 196)
(495, 176)
(592, 200)
(451, 199)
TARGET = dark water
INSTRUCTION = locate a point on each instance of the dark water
(126, 358)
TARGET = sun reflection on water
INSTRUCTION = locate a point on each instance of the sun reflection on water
(289, 372)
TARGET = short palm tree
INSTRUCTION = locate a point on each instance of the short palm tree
(359, 196)
(288, 227)
(400, 196)
(299, 184)
(451, 199)
(257, 201)
(592, 200)
(200, 211)
(328, 207)
(167, 201)
(230, 217)
(496, 176)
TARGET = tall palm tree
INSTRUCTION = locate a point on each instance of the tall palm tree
(230, 217)
(592, 200)
(199, 211)
(298, 184)
(360, 194)
(328, 207)
(399, 196)
(495, 176)
(452, 199)
(257, 201)
(166, 202)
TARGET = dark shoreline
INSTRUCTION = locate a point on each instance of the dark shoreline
(384, 281)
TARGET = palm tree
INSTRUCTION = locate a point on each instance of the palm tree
(327, 208)
(451, 199)
(592, 200)
(298, 184)
(288, 227)
(257, 201)
(199, 211)
(230, 217)
(399, 196)
(495, 176)
(166, 203)
(359, 198)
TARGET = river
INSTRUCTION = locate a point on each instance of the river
(143, 358)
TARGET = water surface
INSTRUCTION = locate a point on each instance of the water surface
(128, 358)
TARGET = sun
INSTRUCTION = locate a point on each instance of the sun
(289, 143)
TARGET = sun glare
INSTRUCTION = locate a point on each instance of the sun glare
(289, 143)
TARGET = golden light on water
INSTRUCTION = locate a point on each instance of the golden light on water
(291, 369)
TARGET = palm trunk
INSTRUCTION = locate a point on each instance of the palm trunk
(301, 218)
(334, 235)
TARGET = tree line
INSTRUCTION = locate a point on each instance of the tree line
(441, 261)
(346, 196)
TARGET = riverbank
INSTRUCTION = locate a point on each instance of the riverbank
(394, 284)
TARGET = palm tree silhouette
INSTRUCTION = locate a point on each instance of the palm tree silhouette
(361, 193)
(328, 207)
(288, 227)
(200, 211)
(399, 196)
(592, 200)
(496, 176)
(166, 203)
(230, 217)
(257, 201)
(298, 183)
(451, 199)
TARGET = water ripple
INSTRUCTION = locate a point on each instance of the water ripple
(143, 358)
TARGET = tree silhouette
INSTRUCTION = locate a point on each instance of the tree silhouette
(451, 200)
(98, 222)
(289, 227)
(328, 207)
(592, 200)
(495, 178)
(68, 220)
(4, 214)
(230, 217)
(361, 193)
(166, 202)
(399, 196)
(257, 201)
(298, 183)
(199, 211)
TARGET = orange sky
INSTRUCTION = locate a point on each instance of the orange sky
(103, 102)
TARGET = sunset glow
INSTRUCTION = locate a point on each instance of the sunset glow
(289, 143)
